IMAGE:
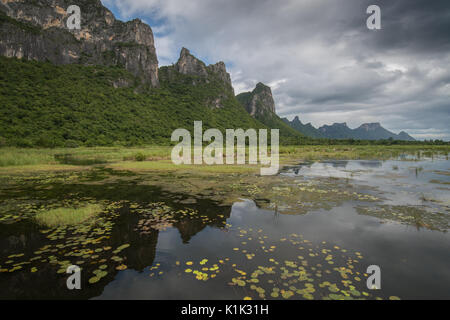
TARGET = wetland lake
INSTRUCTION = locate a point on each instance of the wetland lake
(310, 232)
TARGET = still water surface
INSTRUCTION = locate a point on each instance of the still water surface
(151, 247)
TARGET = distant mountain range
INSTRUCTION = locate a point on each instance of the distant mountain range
(367, 131)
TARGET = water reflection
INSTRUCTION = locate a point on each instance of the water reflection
(151, 243)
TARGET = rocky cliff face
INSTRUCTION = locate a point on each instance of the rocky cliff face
(219, 69)
(37, 30)
(259, 102)
(260, 105)
(214, 81)
(189, 65)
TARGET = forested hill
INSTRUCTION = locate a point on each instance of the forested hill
(42, 104)
(101, 85)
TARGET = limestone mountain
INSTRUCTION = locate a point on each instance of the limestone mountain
(374, 131)
(260, 105)
(37, 30)
(189, 65)
(336, 131)
(48, 105)
(367, 131)
(307, 129)
(101, 85)
(259, 102)
(192, 72)
(405, 136)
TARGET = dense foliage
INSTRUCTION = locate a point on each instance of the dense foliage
(73, 105)
(43, 105)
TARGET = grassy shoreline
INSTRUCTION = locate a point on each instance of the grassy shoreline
(16, 160)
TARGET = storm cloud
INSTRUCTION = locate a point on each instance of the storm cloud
(318, 56)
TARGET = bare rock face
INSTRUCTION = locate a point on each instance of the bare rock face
(259, 102)
(37, 30)
(220, 70)
(189, 65)
(213, 81)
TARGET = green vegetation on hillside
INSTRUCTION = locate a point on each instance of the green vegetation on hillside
(286, 132)
(44, 105)
(306, 129)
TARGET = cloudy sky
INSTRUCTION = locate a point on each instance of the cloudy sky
(319, 57)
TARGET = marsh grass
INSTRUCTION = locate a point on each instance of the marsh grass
(68, 216)
(23, 157)
(11, 157)
(16, 157)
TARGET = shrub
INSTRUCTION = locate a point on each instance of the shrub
(139, 156)
(71, 144)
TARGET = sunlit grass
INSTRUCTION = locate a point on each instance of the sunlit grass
(22, 157)
(160, 156)
(68, 216)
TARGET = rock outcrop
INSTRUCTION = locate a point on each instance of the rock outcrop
(214, 79)
(259, 102)
(260, 105)
(37, 30)
(219, 69)
(189, 65)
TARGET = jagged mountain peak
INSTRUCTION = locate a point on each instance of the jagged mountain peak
(189, 65)
(297, 120)
(306, 129)
(262, 86)
(367, 131)
(259, 102)
(337, 125)
(184, 52)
